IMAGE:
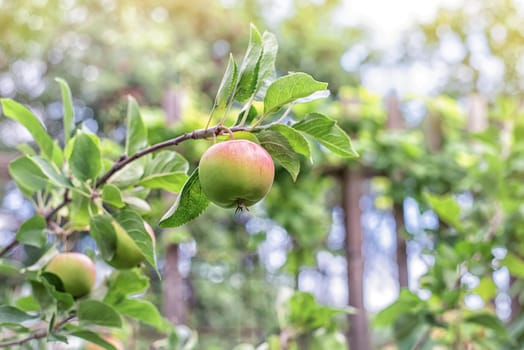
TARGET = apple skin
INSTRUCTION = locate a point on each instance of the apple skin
(76, 271)
(127, 254)
(236, 173)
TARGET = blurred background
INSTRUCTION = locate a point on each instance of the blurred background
(427, 90)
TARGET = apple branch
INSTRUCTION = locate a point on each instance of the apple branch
(37, 335)
(125, 160)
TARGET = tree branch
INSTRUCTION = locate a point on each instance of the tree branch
(8, 247)
(125, 160)
(37, 335)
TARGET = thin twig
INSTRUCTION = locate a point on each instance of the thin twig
(37, 335)
(194, 135)
(8, 247)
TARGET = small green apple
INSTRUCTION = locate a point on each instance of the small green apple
(236, 173)
(76, 271)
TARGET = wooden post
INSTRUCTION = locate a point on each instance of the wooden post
(395, 121)
(174, 294)
(353, 182)
(402, 255)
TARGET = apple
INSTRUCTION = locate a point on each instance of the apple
(236, 173)
(76, 271)
(127, 254)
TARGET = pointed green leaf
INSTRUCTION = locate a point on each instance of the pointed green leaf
(28, 303)
(515, 265)
(112, 195)
(124, 283)
(280, 150)
(13, 315)
(289, 88)
(249, 68)
(251, 114)
(133, 224)
(51, 171)
(143, 311)
(104, 234)
(24, 116)
(296, 140)
(328, 133)
(80, 209)
(67, 102)
(130, 174)
(136, 139)
(227, 85)
(166, 171)
(94, 338)
(85, 160)
(32, 232)
(98, 313)
(446, 208)
(190, 203)
(50, 281)
(27, 175)
(488, 320)
(267, 72)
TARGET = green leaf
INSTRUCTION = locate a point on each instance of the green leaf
(142, 310)
(227, 85)
(328, 133)
(96, 312)
(280, 150)
(104, 234)
(9, 267)
(24, 116)
(67, 102)
(166, 171)
(94, 338)
(13, 315)
(51, 171)
(85, 160)
(251, 114)
(486, 288)
(51, 283)
(112, 196)
(124, 283)
(296, 140)
(137, 204)
(515, 265)
(289, 88)
(249, 67)
(190, 203)
(406, 302)
(28, 303)
(133, 224)
(27, 175)
(129, 174)
(267, 72)
(488, 320)
(306, 314)
(446, 208)
(80, 209)
(32, 232)
(136, 139)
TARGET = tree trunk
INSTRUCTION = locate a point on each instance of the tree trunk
(358, 334)
(174, 305)
(402, 256)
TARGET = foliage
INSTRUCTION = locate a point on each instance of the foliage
(78, 188)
